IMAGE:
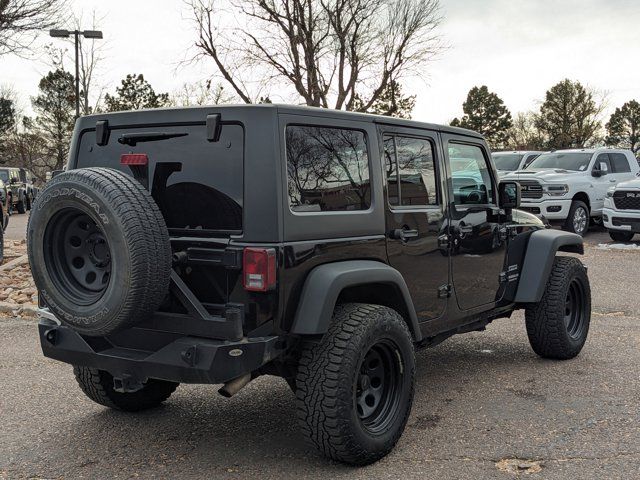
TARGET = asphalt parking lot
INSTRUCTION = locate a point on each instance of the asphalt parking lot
(482, 400)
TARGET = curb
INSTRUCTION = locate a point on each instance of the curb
(16, 262)
(17, 309)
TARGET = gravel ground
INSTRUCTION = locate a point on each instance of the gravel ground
(486, 406)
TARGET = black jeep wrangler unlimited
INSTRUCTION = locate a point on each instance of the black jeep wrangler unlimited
(214, 245)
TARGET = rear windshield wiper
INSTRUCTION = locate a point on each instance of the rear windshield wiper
(133, 138)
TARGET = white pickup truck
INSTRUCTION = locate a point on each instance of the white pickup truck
(621, 213)
(570, 186)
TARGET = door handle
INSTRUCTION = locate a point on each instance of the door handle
(404, 234)
(612, 180)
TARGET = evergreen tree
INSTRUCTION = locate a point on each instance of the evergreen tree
(623, 129)
(55, 109)
(568, 117)
(485, 113)
(391, 102)
(135, 93)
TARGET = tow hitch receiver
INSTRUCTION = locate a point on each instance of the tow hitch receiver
(127, 384)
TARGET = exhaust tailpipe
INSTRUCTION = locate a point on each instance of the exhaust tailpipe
(232, 387)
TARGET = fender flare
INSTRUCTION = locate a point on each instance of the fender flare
(538, 261)
(325, 283)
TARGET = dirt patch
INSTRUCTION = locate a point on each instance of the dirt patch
(518, 466)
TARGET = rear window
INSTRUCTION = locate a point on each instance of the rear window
(197, 184)
(327, 169)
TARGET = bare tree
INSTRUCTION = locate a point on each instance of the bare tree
(22, 20)
(342, 54)
(201, 93)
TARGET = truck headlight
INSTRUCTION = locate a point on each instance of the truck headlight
(555, 190)
(610, 192)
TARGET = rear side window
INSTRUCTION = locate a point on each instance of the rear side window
(327, 169)
(410, 171)
(197, 184)
(619, 163)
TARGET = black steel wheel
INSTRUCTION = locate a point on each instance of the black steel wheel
(574, 314)
(78, 255)
(99, 250)
(354, 388)
(558, 325)
(379, 386)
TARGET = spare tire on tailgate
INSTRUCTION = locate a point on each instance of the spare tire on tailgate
(99, 250)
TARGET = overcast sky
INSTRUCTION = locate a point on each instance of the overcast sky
(518, 48)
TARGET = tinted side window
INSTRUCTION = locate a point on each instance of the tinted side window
(470, 175)
(619, 163)
(327, 169)
(410, 169)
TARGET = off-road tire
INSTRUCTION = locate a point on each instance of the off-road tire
(326, 383)
(123, 214)
(98, 386)
(20, 206)
(620, 236)
(569, 223)
(550, 335)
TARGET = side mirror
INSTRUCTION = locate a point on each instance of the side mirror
(13, 181)
(509, 195)
(600, 169)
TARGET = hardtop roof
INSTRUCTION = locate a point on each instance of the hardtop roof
(198, 113)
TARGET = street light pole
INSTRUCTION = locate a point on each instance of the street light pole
(76, 34)
(93, 34)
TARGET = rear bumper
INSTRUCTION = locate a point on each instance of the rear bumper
(183, 359)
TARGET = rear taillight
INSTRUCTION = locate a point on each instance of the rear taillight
(134, 159)
(259, 269)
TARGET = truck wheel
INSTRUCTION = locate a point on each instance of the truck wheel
(98, 386)
(557, 326)
(20, 206)
(578, 219)
(99, 250)
(620, 236)
(355, 387)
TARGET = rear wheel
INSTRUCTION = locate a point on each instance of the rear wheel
(21, 206)
(355, 388)
(578, 219)
(558, 325)
(98, 386)
(620, 236)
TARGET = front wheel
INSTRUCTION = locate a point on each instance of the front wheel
(620, 236)
(355, 387)
(98, 386)
(578, 219)
(20, 206)
(557, 326)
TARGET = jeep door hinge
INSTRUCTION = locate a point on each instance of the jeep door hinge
(444, 291)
